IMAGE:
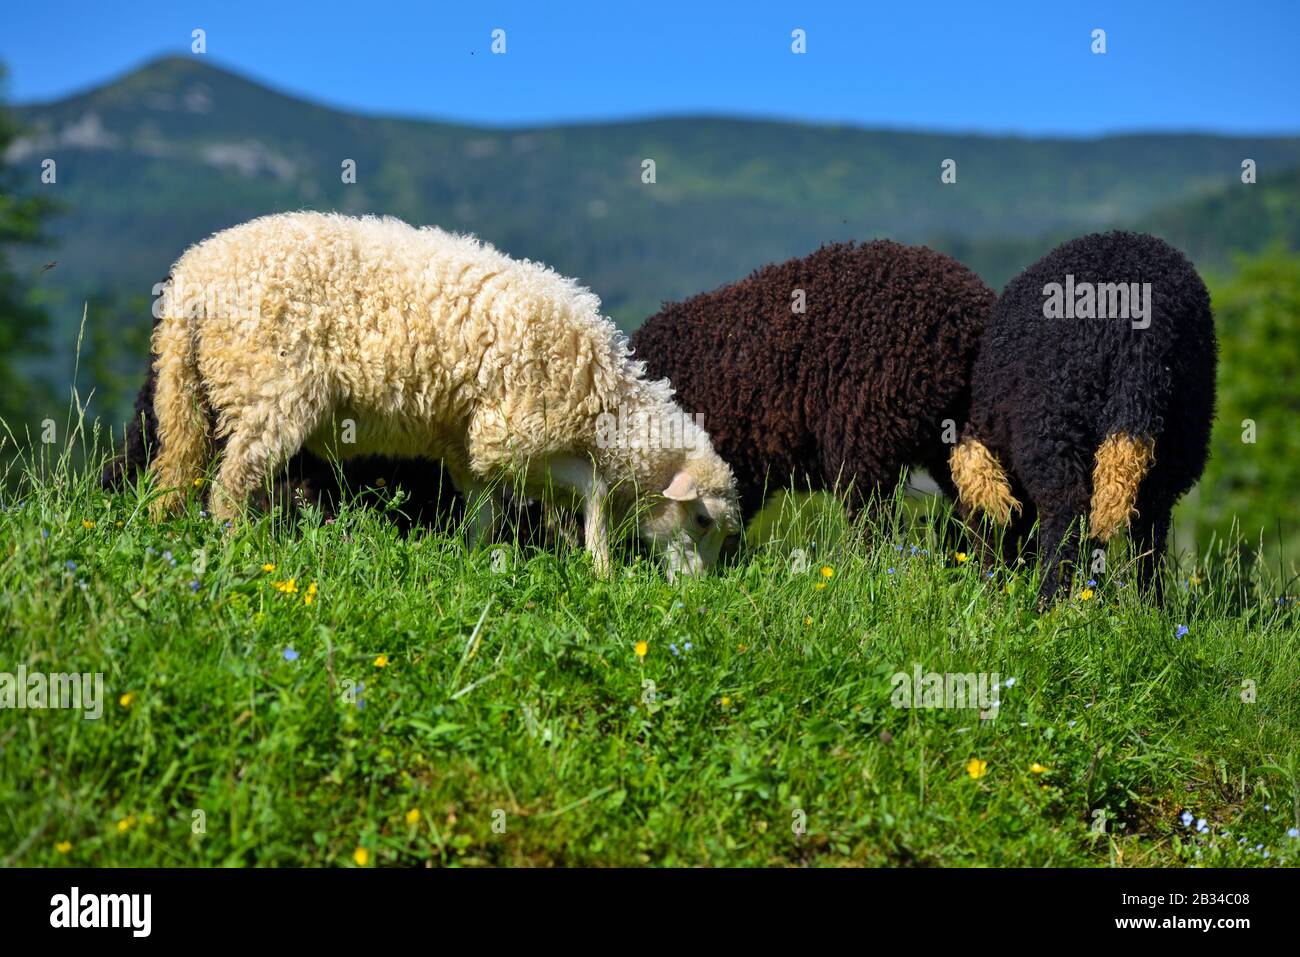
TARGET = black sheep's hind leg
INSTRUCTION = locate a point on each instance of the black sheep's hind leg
(1150, 532)
(1058, 538)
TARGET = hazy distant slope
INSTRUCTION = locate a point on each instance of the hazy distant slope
(162, 157)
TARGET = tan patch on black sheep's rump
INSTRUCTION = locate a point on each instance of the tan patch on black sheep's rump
(982, 481)
(1122, 462)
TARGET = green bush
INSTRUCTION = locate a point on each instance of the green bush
(1254, 469)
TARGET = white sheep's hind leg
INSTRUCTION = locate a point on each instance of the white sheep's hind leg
(582, 477)
(262, 440)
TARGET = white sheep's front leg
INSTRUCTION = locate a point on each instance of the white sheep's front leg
(581, 477)
(596, 522)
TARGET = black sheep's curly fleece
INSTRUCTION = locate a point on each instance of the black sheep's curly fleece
(854, 389)
(1046, 393)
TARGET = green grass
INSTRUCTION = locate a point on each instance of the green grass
(513, 722)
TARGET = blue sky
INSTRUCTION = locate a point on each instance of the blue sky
(990, 66)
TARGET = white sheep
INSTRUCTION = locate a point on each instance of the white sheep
(368, 336)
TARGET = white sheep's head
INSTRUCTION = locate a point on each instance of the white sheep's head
(693, 517)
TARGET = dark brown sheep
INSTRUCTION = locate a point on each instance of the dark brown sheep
(839, 369)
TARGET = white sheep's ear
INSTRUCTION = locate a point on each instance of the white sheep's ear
(682, 488)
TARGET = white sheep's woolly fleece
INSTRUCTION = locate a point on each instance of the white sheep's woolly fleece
(434, 344)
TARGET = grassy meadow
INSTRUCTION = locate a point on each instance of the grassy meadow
(296, 691)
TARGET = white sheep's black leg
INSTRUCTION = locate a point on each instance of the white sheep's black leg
(484, 505)
(484, 510)
(1058, 538)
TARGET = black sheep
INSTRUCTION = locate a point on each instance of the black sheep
(845, 393)
(1080, 406)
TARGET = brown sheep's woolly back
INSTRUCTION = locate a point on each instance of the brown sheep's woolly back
(853, 389)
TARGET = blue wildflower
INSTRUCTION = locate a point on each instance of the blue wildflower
(1180, 631)
(673, 649)
(290, 655)
(687, 646)
(70, 565)
(1187, 818)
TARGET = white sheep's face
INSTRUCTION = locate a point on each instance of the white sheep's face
(688, 527)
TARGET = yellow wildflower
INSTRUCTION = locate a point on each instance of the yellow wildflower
(125, 824)
(977, 768)
(726, 701)
(413, 816)
(381, 661)
(1086, 594)
(361, 856)
(63, 847)
(87, 523)
(828, 572)
(308, 598)
(1037, 768)
(198, 483)
(961, 558)
(268, 567)
(126, 699)
(641, 648)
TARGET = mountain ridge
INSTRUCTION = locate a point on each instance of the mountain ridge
(169, 153)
